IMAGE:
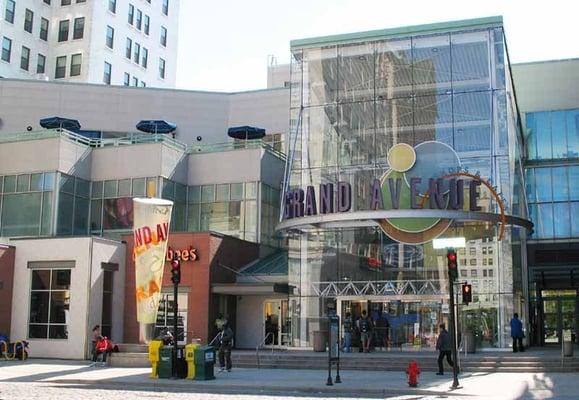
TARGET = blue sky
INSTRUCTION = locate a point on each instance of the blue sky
(224, 44)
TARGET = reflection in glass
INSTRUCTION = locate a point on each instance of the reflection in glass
(356, 133)
(431, 64)
(472, 121)
(393, 69)
(356, 72)
(561, 220)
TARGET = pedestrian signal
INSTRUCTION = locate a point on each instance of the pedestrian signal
(466, 293)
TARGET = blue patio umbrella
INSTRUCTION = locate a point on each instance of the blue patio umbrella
(156, 126)
(59, 122)
(246, 132)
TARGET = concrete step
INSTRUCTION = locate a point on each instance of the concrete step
(133, 348)
(129, 360)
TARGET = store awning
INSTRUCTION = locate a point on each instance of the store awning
(258, 288)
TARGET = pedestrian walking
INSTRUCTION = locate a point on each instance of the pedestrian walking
(225, 344)
(348, 326)
(365, 328)
(444, 347)
(517, 333)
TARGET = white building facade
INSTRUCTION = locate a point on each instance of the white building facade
(132, 43)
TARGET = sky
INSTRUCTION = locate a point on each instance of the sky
(224, 44)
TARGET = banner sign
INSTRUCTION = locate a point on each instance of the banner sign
(152, 218)
(428, 175)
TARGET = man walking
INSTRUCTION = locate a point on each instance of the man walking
(444, 346)
(365, 328)
(225, 342)
(348, 326)
(517, 333)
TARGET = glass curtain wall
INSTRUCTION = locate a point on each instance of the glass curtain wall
(27, 203)
(552, 190)
(350, 104)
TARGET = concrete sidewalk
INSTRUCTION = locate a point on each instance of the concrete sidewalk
(298, 382)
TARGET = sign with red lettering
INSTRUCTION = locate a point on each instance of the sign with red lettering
(189, 254)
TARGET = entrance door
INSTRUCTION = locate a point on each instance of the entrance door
(276, 326)
(559, 313)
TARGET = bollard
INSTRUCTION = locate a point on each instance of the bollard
(413, 371)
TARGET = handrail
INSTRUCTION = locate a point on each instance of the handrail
(261, 344)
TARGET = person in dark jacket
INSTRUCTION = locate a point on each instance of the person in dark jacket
(444, 346)
(225, 344)
(517, 333)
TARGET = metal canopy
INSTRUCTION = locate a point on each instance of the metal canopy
(60, 122)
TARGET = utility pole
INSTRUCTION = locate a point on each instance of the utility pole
(452, 275)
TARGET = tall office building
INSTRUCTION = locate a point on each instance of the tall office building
(132, 43)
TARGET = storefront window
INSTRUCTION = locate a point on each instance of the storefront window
(49, 304)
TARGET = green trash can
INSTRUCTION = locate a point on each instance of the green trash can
(166, 362)
(204, 363)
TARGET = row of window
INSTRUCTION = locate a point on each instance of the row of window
(113, 9)
(135, 81)
(552, 134)
(475, 261)
(136, 55)
(77, 33)
(138, 21)
(75, 66)
(486, 273)
(108, 70)
(28, 20)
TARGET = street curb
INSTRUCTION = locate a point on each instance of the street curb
(196, 386)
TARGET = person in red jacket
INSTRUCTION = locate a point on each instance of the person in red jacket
(103, 346)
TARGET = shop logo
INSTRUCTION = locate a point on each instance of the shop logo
(428, 175)
(189, 254)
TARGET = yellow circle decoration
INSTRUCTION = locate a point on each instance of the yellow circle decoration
(401, 157)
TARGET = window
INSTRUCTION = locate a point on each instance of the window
(147, 23)
(28, 20)
(60, 71)
(63, 31)
(75, 63)
(49, 304)
(25, 58)
(473, 273)
(43, 29)
(145, 58)
(9, 12)
(163, 36)
(41, 64)
(47, 2)
(490, 261)
(6, 49)
(161, 68)
(484, 261)
(135, 81)
(113, 6)
(139, 19)
(472, 251)
(127, 79)
(65, 2)
(166, 7)
(80, 1)
(131, 14)
(107, 73)
(463, 272)
(491, 273)
(473, 261)
(129, 47)
(110, 37)
(484, 273)
(78, 31)
(137, 53)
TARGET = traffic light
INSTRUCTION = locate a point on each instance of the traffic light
(466, 293)
(452, 264)
(175, 271)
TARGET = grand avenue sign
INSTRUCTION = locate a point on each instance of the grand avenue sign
(416, 199)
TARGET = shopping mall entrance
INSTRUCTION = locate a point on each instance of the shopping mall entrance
(555, 311)
(410, 323)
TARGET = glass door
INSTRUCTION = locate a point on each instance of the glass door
(276, 326)
(551, 321)
(559, 313)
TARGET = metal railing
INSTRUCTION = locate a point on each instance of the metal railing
(262, 344)
(138, 138)
(232, 146)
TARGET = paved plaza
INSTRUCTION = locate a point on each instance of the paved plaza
(64, 379)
